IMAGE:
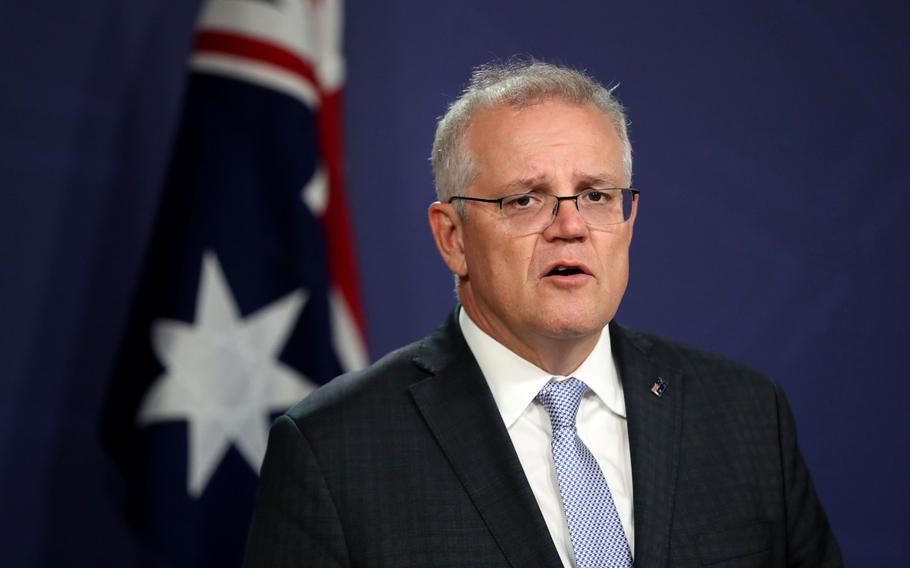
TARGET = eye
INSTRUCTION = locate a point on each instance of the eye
(521, 202)
(597, 196)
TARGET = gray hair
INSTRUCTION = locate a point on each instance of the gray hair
(518, 83)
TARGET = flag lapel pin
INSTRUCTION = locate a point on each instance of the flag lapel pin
(658, 388)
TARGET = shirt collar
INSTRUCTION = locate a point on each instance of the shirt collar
(515, 382)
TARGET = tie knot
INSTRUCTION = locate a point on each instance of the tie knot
(561, 399)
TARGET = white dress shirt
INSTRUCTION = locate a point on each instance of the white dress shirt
(601, 425)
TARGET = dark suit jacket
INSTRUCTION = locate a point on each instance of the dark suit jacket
(408, 463)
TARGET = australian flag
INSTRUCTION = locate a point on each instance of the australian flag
(249, 298)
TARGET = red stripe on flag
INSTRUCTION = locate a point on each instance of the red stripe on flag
(230, 43)
(337, 219)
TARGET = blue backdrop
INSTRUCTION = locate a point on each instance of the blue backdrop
(771, 146)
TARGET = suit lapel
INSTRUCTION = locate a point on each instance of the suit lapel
(460, 411)
(655, 429)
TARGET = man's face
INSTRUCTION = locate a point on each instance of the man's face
(511, 285)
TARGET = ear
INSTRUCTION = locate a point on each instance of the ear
(447, 231)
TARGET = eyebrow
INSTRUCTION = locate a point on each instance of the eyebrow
(604, 180)
(531, 183)
(526, 184)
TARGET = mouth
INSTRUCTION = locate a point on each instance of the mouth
(562, 270)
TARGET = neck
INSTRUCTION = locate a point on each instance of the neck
(556, 355)
(562, 356)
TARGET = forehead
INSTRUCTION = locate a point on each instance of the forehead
(548, 139)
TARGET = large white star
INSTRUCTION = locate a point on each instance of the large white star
(223, 374)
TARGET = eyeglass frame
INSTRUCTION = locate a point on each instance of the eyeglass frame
(559, 199)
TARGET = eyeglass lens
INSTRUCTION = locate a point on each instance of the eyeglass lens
(531, 212)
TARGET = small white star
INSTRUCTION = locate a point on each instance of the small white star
(223, 374)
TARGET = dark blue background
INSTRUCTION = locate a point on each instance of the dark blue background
(771, 146)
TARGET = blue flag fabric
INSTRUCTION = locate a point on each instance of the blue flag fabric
(238, 315)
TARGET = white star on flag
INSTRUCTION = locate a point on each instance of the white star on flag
(223, 374)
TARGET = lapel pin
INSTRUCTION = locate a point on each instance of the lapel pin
(658, 388)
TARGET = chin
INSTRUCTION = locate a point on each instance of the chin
(574, 323)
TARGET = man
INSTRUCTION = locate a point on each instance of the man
(531, 429)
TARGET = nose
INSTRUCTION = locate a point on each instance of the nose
(567, 221)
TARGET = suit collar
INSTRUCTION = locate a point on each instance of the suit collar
(655, 430)
(459, 409)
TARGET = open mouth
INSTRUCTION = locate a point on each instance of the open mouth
(565, 271)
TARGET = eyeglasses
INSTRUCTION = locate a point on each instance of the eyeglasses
(527, 213)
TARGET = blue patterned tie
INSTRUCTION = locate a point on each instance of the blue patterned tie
(597, 535)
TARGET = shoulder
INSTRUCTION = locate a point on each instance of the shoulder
(383, 387)
(388, 377)
(705, 373)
